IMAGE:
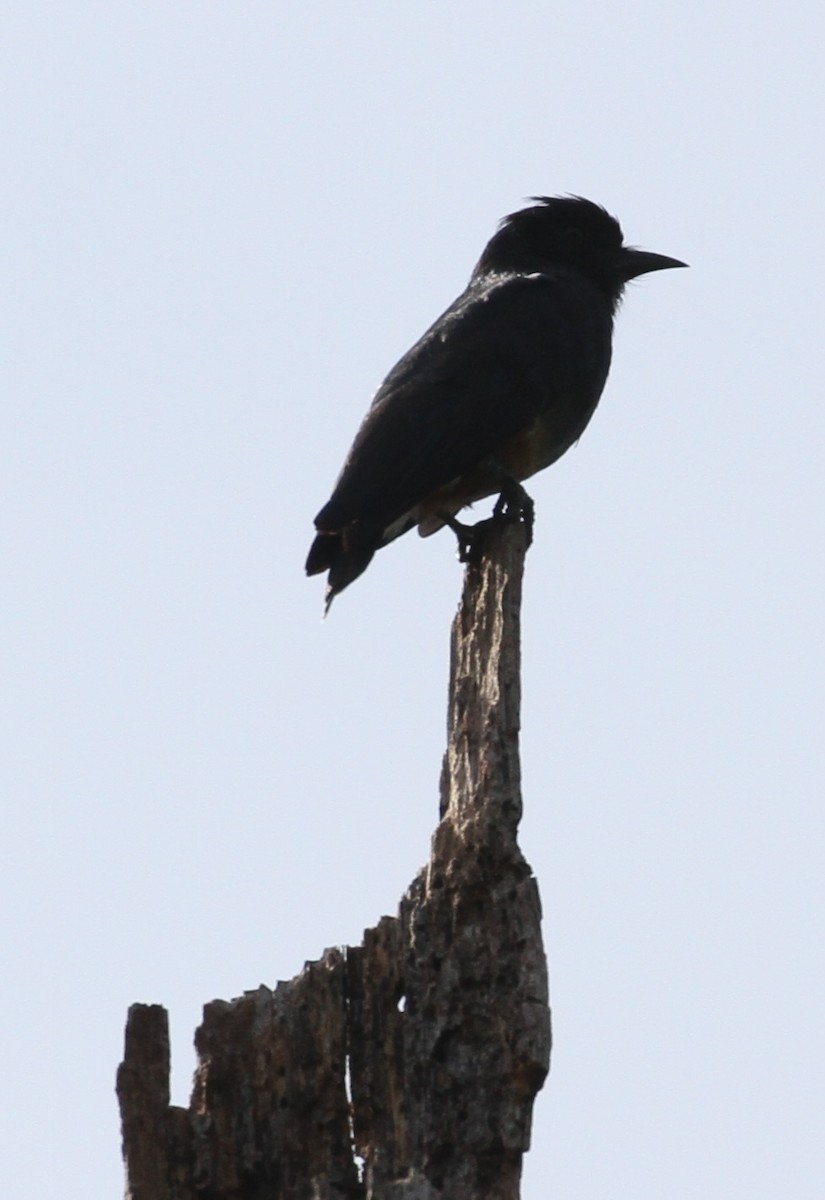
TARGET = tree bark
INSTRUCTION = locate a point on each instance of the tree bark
(405, 1068)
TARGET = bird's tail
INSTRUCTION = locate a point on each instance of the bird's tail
(344, 553)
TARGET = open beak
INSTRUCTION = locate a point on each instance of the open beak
(634, 262)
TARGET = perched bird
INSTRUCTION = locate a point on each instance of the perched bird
(499, 387)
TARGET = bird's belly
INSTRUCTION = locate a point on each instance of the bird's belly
(546, 439)
(534, 448)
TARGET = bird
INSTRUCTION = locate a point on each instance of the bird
(498, 388)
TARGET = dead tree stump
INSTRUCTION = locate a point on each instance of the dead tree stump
(421, 1051)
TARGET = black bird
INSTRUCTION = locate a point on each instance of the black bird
(499, 387)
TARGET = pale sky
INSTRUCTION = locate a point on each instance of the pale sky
(223, 223)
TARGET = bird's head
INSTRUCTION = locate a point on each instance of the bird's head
(569, 232)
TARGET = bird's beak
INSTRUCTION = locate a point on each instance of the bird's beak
(633, 262)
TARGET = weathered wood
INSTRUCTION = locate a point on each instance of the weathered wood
(438, 1024)
(143, 1091)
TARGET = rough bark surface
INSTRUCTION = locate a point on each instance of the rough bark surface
(438, 1025)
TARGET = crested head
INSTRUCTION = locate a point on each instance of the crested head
(572, 233)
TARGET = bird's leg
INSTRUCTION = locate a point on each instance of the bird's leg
(513, 500)
(513, 504)
(469, 538)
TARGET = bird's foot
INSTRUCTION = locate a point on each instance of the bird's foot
(470, 538)
(514, 504)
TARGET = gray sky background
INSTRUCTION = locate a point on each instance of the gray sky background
(223, 223)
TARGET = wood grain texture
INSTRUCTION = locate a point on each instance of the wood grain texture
(404, 1068)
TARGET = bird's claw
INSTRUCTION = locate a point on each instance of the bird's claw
(470, 538)
(513, 504)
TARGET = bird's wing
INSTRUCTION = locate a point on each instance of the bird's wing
(504, 351)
